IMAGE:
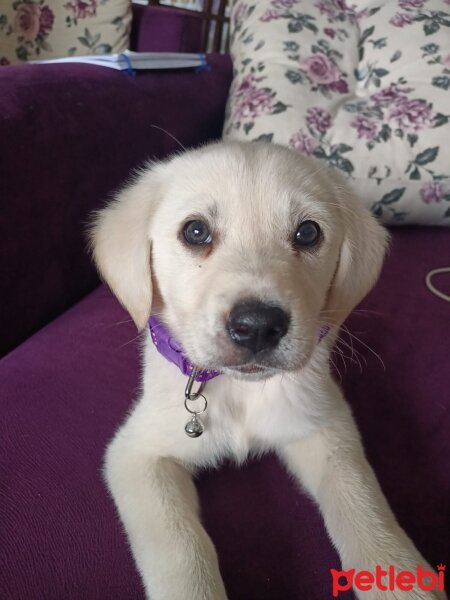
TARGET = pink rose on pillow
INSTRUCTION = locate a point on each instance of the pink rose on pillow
(391, 94)
(433, 191)
(401, 19)
(46, 20)
(269, 15)
(340, 86)
(318, 120)
(303, 143)
(321, 69)
(365, 127)
(82, 9)
(255, 103)
(26, 22)
(412, 115)
(330, 32)
(251, 100)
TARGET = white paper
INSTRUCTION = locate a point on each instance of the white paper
(137, 60)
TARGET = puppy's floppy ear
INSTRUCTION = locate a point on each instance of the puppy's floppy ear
(120, 244)
(361, 256)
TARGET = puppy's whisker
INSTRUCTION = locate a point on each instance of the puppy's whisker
(130, 341)
(336, 368)
(170, 135)
(118, 323)
(366, 346)
(350, 346)
(354, 356)
(340, 354)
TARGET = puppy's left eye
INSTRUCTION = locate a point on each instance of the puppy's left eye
(307, 234)
(197, 233)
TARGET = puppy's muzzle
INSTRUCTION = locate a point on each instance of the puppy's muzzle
(257, 326)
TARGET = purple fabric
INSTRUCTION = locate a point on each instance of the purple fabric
(64, 391)
(69, 135)
(162, 29)
(172, 351)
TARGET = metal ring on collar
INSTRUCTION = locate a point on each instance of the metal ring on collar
(195, 412)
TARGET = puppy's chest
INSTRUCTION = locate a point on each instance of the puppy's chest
(245, 419)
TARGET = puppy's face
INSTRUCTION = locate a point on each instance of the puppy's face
(244, 249)
(247, 243)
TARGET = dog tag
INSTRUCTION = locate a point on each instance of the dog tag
(194, 427)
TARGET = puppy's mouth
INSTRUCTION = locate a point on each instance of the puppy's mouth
(249, 369)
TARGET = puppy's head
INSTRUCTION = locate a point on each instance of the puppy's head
(244, 250)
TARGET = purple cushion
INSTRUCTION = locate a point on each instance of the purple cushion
(65, 390)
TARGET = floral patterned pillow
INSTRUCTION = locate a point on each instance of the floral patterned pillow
(40, 29)
(364, 87)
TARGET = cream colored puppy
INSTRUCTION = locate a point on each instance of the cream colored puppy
(249, 254)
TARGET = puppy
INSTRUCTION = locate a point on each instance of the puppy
(250, 257)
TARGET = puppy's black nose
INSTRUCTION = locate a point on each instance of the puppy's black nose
(257, 326)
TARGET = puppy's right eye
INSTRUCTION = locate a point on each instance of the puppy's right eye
(197, 233)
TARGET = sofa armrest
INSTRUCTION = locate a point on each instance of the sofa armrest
(163, 29)
(69, 136)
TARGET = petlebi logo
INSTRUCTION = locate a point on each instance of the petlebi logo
(388, 579)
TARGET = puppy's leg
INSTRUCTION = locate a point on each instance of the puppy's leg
(157, 502)
(331, 465)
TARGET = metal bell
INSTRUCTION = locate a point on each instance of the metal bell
(194, 427)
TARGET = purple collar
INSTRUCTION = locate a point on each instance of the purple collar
(172, 350)
(174, 353)
(324, 331)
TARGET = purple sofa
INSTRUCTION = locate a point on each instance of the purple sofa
(68, 137)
